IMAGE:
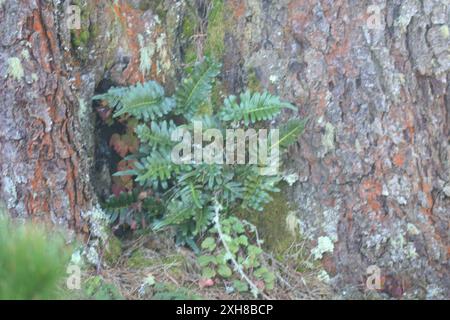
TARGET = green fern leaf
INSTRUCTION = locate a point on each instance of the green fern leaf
(144, 101)
(156, 170)
(258, 189)
(197, 88)
(158, 136)
(112, 97)
(290, 132)
(118, 206)
(252, 108)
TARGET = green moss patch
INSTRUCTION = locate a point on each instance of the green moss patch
(272, 225)
(215, 38)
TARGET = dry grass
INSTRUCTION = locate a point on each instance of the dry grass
(177, 267)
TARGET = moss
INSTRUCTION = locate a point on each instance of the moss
(138, 260)
(113, 250)
(215, 37)
(81, 39)
(272, 225)
(253, 83)
(174, 263)
(218, 95)
(98, 289)
(189, 26)
(188, 30)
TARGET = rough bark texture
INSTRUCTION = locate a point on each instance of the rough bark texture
(48, 75)
(374, 162)
(373, 165)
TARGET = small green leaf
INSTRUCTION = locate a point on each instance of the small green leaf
(234, 246)
(208, 273)
(238, 227)
(209, 244)
(224, 271)
(205, 260)
(240, 286)
(261, 272)
(254, 250)
(243, 240)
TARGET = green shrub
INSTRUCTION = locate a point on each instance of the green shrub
(32, 264)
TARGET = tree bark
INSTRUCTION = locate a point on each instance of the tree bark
(49, 73)
(373, 165)
(374, 161)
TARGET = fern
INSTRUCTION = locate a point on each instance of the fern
(257, 191)
(113, 97)
(118, 207)
(189, 193)
(290, 132)
(196, 88)
(158, 136)
(155, 170)
(142, 101)
(252, 108)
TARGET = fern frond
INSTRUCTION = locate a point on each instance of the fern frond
(112, 97)
(117, 206)
(197, 88)
(231, 191)
(257, 191)
(177, 213)
(290, 132)
(158, 136)
(252, 108)
(144, 101)
(156, 170)
(207, 121)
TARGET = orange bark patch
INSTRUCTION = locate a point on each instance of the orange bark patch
(43, 44)
(371, 190)
(399, 159)
(130, 19)
(237, 8)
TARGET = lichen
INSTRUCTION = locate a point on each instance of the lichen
(324, 245)
(445, 31)
(15, 68)
(98, 222)
(412, 229)
(10, 190)
(146, 54)
(253, 83)
(291, 178)
(329, 137)
(323, 276)
(292, 223)
(407, 11)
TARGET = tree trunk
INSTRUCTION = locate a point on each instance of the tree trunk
(373, 165)
(49, 73)
(374, 161)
